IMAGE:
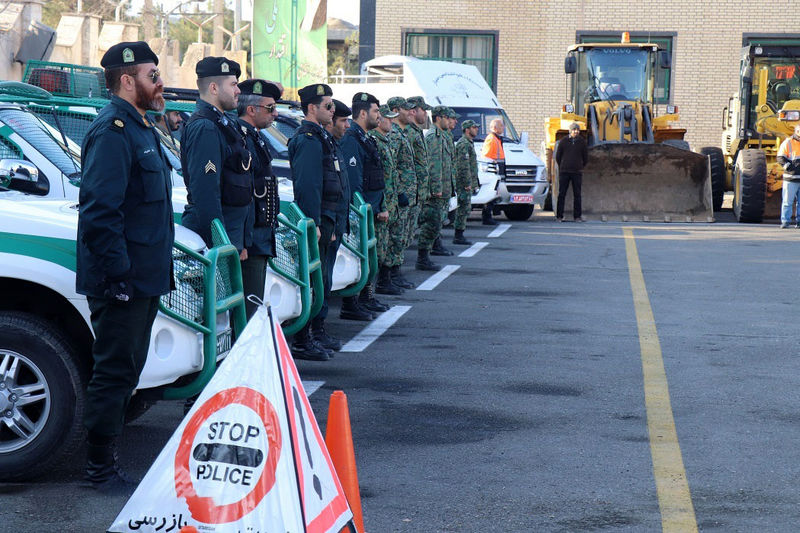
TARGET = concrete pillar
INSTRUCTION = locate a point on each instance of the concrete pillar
(77, 40)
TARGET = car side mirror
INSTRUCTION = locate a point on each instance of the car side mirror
(665, 59)
(570, 65)
(19, 175)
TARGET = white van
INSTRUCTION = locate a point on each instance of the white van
(461, 87)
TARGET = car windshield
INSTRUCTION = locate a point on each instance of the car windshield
(614, 73)
(44, 139)
(483, 117)
(278, 141)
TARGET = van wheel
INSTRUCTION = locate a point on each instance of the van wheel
(518, 212)
(41, 396)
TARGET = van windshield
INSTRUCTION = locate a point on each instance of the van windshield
(483, 116)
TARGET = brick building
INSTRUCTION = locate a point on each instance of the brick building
(520, 45)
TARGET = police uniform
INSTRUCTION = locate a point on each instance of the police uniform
(317, 184)
(124, 256)
(262, 218)
(216, 164)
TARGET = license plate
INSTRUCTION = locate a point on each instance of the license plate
(521, 198)
(224, 342)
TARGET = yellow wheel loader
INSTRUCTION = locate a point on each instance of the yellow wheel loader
(755, 122)
(640, 167)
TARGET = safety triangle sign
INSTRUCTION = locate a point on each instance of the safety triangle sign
(249, 456)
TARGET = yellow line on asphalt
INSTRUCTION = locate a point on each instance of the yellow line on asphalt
(674, 498)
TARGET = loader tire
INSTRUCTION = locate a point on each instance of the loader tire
(678, 143)
(750, 186)
(717, 159)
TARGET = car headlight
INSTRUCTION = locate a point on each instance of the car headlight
(487, 167)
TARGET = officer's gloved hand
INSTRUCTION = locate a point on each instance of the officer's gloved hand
(402, 199)
(119, 288)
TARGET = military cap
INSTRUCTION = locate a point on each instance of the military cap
(127, 54)
(396, 101)
(217, 66)
(419, 101)
(341, 109)
(467, 124)
(451, 113)
(309, 92)
(439, 111)
(260, 88)
(365, 97)
(386, 112)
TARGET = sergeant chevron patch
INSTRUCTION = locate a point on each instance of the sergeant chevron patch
(210, 167)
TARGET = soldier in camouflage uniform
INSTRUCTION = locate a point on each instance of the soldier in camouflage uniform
(440, 171)
(448, 125)
(466, 178)
(418, 118)
(406, 185)
(385, 285)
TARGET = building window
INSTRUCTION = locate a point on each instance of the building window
(469, 48)
(664, 41)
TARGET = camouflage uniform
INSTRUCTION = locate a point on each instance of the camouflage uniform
(440, 171)
(466, 179)
(389, 196)
(417, 141)
(452, 190)
(406, 184)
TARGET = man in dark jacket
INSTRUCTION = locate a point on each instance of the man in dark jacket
(571, 156)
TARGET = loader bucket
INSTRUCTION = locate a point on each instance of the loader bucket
(644, 182)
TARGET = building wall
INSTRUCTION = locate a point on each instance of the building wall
(535, 34)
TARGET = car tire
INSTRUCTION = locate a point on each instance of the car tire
(40, 432)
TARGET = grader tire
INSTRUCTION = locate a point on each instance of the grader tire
(751, 186)
(717, 160)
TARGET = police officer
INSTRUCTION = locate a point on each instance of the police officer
(317, 180)
(257, 110)
(124, 247)
(365, 168)
(214, 156)
(466, 165)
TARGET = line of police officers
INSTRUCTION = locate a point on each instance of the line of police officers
(126, 233)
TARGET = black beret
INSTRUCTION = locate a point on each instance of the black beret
(217, 66)
(309, 92)
(260, 88)
(365, 97)
(341, 109)
(127, 54)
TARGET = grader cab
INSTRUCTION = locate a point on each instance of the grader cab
(755, 122)
(640, 168)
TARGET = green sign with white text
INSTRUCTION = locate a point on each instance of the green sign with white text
(290, 42)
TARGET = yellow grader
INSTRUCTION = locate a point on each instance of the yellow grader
(755, 122)
(640, 167)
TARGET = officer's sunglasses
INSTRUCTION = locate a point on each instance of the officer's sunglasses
(154, 76)
(328, 106)
(270, 108)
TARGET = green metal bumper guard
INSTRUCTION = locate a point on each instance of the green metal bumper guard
(206, 286)
(298, 261)
(361, 241)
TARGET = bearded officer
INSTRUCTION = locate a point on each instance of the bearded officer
(214, 156)
(257, 110)
(124, 247)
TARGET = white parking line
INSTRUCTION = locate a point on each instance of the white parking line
(376, 328)
(474, 249)
(312, 386)
(499, 230)
(431, 283)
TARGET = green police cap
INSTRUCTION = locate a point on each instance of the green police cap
(451, 113)
(309, 92)
(386, 112)
(467, 124)
(210, 67)
(127, 54)
(419, 101)
(260, 88)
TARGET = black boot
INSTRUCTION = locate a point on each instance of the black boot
(439, 249)
(399, 279)
(486, 215)
(305, 347)
(321, 336)
(351, 310)
(368, 301)
(459, 238)
(385, 285)
(424, 262)
(103, 472)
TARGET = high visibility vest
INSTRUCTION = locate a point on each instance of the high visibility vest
(493, 148)
(790, 149)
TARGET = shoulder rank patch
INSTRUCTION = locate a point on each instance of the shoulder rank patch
(118, 123)
(244, 130)
(353, 161)
(309, 134)
(210, 167)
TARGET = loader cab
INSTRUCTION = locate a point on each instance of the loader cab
(770, 77)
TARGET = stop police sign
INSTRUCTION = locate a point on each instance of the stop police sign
(228, 455)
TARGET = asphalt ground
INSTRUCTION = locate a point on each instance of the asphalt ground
(512, 396)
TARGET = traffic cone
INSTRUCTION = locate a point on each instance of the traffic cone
(339, 440)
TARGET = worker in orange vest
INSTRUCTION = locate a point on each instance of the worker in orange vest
(789, 158)
(493, 149)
